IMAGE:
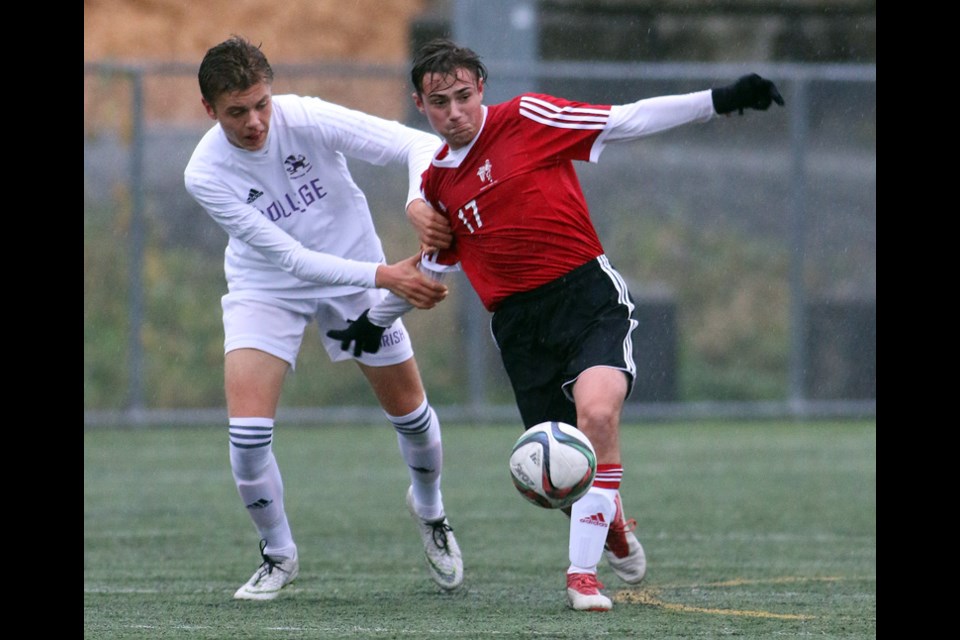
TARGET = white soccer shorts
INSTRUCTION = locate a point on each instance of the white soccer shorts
(256, 320)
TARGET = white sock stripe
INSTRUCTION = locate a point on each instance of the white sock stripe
(251, 422)
(609, 475)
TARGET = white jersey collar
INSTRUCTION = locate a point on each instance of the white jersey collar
(455, 157)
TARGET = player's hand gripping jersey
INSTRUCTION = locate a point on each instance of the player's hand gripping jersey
(512, 195)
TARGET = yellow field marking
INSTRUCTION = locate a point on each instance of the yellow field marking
(651, 597)
(785, 580)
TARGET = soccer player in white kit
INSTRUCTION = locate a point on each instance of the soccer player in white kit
(272, 172)
(509, 211)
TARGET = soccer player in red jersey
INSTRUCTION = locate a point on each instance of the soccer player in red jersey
(508, 208)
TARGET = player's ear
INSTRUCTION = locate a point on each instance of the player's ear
(209, 107)
(417, 101)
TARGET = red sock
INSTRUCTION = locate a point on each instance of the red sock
(608, 476)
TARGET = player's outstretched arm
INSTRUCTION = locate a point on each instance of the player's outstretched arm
(749, 92)
(405, 280)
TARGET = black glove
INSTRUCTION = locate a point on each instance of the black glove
(749, 92)
(362, 332)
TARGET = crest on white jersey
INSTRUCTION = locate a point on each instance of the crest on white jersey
(485, 172)
(297, 165)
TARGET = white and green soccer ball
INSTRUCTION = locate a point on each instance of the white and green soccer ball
(553, 464)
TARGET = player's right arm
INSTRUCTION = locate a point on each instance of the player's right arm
(245, 223)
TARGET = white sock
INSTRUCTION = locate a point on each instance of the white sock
(590, 519)
(418, 434)
(258, 481)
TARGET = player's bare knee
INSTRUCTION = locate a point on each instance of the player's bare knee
(597, 418)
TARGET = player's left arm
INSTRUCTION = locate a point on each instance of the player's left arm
(654, 115)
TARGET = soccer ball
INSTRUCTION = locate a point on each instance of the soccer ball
(552, 464)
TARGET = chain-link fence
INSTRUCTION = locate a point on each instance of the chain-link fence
(750, 244)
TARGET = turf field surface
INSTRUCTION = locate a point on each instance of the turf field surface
(752, 530)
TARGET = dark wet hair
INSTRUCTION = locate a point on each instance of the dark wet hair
(232, 65)
(443, 56)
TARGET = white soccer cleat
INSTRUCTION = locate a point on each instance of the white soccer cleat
(440, 548)
(622, 549)
(272, 576)
(583, 593)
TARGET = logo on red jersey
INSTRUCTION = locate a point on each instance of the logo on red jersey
(485, 172)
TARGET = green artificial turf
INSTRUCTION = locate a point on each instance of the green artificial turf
(752, 530)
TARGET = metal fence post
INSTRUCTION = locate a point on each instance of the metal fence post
(799, 130)
(481, 27)
(136, 247)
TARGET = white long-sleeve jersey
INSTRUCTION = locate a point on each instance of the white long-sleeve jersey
(299, 225)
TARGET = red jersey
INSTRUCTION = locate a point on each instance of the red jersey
(513, 198)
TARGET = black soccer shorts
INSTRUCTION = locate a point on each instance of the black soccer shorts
(548, 336)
